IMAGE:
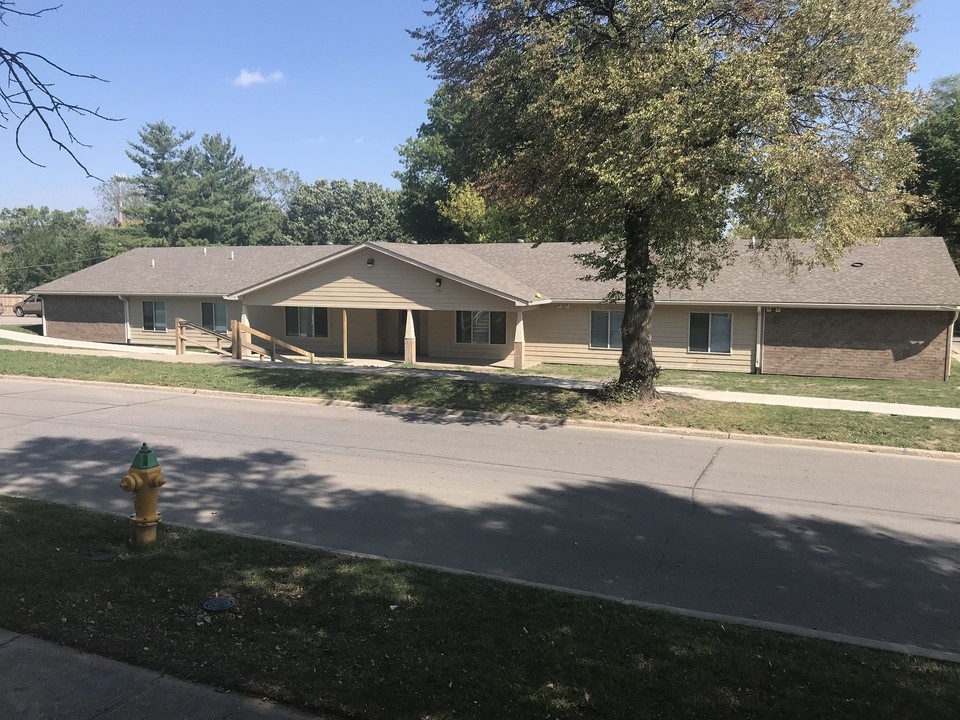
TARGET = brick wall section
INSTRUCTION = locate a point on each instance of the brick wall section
(886, 344)
(97, 319)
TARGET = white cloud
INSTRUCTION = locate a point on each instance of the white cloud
(358, 141)
(319, 140)
(247, 78)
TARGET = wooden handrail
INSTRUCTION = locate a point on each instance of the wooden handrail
(239, 330)
(181, 337)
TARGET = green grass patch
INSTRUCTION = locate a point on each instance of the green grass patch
(375, 389)
(910, 392)
(26, 329)
(318, 631)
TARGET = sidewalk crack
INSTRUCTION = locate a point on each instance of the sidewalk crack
(128, 698)
(691, 506)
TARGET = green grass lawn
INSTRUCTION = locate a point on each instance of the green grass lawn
(465, 395)
(375, 639)
(910, 392)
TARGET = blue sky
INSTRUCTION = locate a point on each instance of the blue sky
(327, 88)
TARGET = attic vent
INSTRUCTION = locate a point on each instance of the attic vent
(856, 264)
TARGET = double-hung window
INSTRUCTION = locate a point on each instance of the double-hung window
(306, 322)
(605, 329)
(213, 316)
(154, 316)
(481, 327)
(710, 332)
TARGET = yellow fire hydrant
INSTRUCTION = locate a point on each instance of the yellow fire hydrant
(143, 479)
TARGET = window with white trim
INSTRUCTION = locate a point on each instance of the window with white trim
(481, 327)
(710, 332)
(154, 316)
(213, 316)
(605, 329)
(306, 322)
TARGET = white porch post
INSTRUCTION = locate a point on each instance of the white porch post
(344, 333)
(245, 320)
(519, 343)
(410, 341)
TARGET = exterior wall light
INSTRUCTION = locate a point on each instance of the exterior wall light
(369, 262)
(438, 282)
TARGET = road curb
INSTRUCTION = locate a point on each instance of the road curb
(785, 628)
(541, 420)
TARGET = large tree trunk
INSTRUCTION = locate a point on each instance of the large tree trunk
(637, 367)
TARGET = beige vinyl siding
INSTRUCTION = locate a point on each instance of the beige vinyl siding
(388, 284)
(671, 328)
(188, 308)
(444, 345)
(361, 330)
(560, 333)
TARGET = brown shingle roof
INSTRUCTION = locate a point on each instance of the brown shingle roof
(186, 270)
(897, 272)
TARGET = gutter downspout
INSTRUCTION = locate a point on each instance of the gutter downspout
(946, 362)
(126, 318)
(758, 359)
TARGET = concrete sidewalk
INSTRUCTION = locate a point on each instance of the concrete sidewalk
(380, 367)
(43, 681)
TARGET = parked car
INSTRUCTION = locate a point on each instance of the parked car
(33, 305)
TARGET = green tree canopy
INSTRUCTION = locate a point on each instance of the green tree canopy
(652, 126)
(200, 194)
(166, 179)
(432, 161)
(339, 212)
(38, 245)
(937, 140)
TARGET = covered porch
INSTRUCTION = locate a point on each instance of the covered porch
(410, 335)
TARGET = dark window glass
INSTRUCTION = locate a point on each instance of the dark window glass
(720, 332)
(700, 332)
(498, 328)
(599, 329)
(155, 316)
(463, 326)
(320, 322)
(292, 316)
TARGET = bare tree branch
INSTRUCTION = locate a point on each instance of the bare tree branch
(25, 96)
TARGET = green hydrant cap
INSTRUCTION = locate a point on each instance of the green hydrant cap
(144, 459)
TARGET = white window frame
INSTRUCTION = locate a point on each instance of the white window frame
(473, 314)
(709, 350)
(610, 330)
(213, 307)
(312, 325)
(143, 316)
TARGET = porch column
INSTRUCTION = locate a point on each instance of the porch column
(244, 320)
(344, 333)
(410, 341)
(519, 343)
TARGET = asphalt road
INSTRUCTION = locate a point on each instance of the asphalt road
(861, 544)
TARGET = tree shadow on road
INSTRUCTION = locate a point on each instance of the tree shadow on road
(603, 535)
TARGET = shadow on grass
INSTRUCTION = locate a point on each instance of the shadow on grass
(439, 392)
(318, 630)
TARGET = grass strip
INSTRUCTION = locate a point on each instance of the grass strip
(375, 639)
(909, 392)
(832, 425)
